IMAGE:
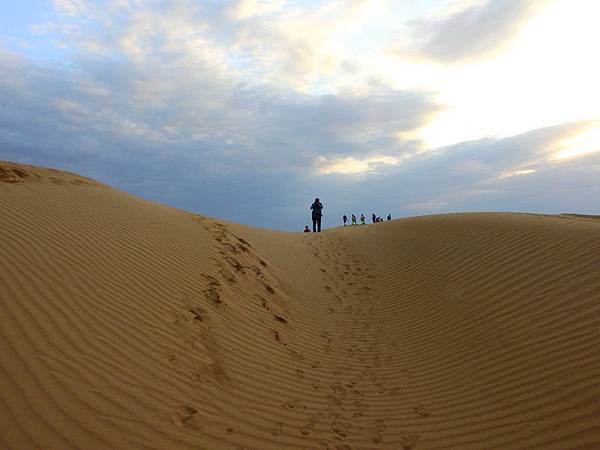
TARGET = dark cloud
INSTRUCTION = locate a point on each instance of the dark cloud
(480, 175)
(249, 157)
(170, 118)
(191, 137)
(474, 32)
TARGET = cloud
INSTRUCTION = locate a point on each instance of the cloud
(273, 41)
(515, 173)
(72, 7)
(248, 154)
(245, 9)
(468, 31)
(351, 165)
(302, 47)
(189, 104)
(186, 126)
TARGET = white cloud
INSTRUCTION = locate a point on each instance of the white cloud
(467, 30)
(350, 165)
(515, 173)
(245, 9)
(247, 100)
(72, 7)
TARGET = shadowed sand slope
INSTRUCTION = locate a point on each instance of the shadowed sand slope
(127, 324)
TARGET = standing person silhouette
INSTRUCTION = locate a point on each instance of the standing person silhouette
(345, 219)
(317, 213)
(362, 219)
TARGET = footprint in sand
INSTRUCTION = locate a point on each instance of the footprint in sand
(395, 391)
(228, 275)
(268, 288)
(339, 390)
(409, 441)
(377, 439)
(173, 359)
(188, 417)
(218, 372)
(257, 270)
(341, 428)
(263, 301)
(378, 429)
(277, 337)
(308, 428)
(280, 319)
(277, 429)
(213, 292)
(198, 313)
(292, 403)
(296, 355)
(420, 410)
(233, 262)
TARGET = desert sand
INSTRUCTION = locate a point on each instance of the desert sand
(131, 325)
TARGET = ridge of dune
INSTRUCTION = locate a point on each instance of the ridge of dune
(129, 324)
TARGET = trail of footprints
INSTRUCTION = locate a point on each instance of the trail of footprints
(354, 342)
(351, 345)
(199, 356)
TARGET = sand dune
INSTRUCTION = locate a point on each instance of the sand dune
(128, 324)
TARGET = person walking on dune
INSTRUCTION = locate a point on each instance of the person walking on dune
(353, 219)
(373, 217)
(317, 213)
(345, 219)
(362, 219)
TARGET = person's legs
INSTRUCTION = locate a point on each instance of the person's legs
(314, 224)
(319, 224)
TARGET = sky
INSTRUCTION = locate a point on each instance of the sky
(247, 110)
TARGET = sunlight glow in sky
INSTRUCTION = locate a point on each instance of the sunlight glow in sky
(579, 145)
(350, 165)
(551, 63)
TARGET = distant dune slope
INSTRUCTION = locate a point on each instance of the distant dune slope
(128, 324)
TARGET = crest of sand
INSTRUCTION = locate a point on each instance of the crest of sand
(127, 324)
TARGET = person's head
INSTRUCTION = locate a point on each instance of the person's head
(317, 199)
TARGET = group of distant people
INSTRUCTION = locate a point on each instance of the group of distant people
(317, 214)
(374, 219)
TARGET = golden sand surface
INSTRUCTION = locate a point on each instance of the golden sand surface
(125, 324)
